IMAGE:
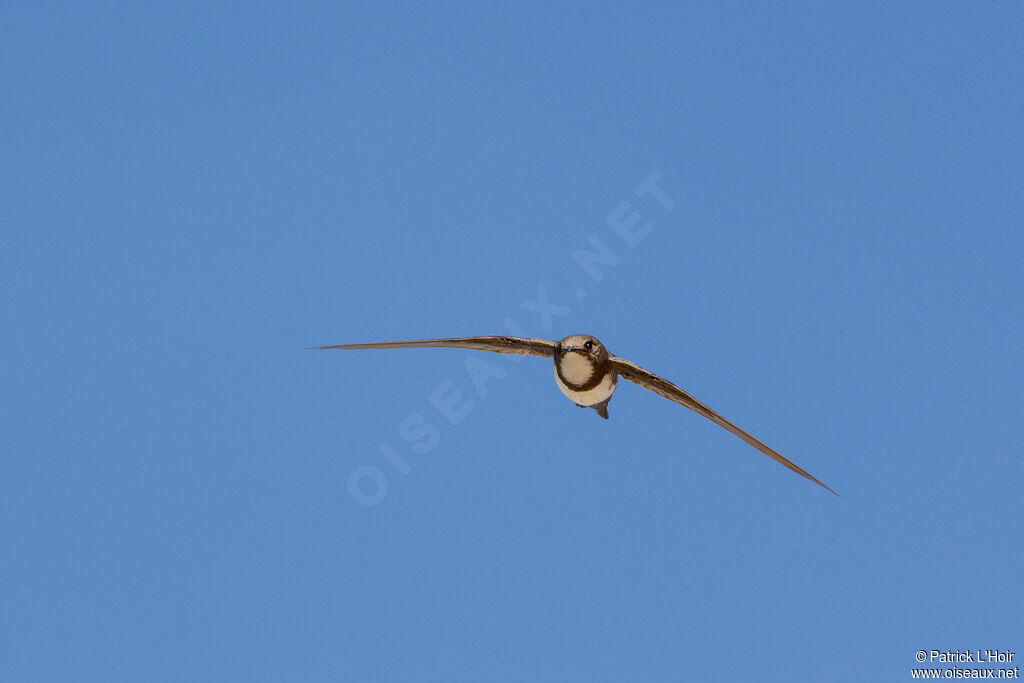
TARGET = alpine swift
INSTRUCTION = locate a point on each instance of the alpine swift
(587, 374)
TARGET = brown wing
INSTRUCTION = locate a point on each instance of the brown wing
(519, 345)
(648, 380)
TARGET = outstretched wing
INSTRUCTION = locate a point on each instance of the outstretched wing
(659, 385)
(519, 345)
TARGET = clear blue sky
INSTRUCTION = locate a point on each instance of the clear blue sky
(191, 196)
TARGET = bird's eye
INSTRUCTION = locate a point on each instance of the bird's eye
(589, 346)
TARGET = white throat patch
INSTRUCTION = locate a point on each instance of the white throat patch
(576, 368)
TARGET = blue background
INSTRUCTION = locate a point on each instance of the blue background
(191, 196)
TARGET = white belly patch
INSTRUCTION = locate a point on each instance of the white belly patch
(589, 397)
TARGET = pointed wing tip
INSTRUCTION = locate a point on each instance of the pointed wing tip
(826, 487)
(810, 477)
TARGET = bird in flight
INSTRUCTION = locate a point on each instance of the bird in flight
(587, 374)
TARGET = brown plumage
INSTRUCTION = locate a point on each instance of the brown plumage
(587, 374)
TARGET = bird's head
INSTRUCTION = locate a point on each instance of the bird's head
(579, 357)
